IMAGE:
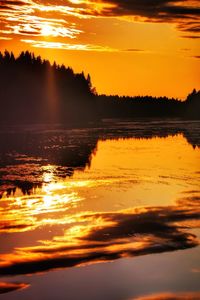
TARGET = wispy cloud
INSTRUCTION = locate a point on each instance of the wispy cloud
(67, 46)
(191, 36)
(77, 47)
(134, 50)
(5, 38)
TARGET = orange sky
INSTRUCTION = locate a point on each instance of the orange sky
(129, 47)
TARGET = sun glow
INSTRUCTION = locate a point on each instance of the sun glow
(76, 1)
(47, 30)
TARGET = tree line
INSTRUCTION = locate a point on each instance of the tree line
(34, 91)
(148, 106)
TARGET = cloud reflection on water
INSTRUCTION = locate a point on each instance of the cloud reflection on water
(100, 237)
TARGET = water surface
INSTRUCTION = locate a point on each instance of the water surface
(100, 213)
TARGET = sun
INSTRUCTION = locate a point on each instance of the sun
(47, 30)
(76, 1)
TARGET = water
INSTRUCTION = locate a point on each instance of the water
(100, 213)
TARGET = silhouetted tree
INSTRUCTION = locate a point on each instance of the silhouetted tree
(192, 105)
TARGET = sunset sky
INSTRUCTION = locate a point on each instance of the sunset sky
(129, 47)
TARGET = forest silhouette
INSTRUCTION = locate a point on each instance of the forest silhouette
(34, 91)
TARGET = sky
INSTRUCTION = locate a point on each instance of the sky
(129, 47)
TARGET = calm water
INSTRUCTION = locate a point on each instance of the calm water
(101, 213)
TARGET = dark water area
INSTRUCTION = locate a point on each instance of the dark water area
(107, 212)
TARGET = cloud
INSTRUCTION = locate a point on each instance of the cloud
(191, 36)
(101, 237)
(190, 201)
(185, 14)
(6, 287)
(153, 9)
(67, 46)
(134, 50)
(171, 296)
(5, 38)
(185, 49)
(24, 18)
(14, 3)
(15, 226)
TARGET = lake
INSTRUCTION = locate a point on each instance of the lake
(110, 213)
